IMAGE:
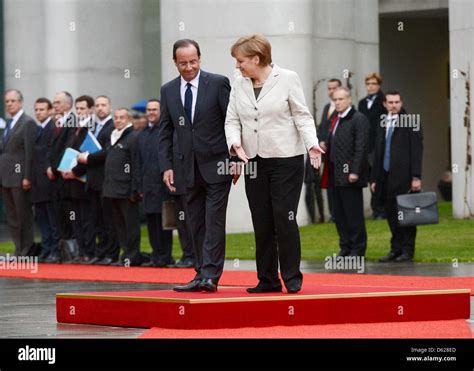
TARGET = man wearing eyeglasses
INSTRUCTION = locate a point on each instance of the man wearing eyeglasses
(372, 107)
(193, 111)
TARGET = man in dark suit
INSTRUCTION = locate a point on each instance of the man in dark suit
(107, 248)
(329, 111)
(348, 173)
(44, 193)
(82, 223)
(397, 169)
(153, 190)
(16, 169)
(184, 234)
(373, 108)
(122, 184)
(64, 127)
(194, 106)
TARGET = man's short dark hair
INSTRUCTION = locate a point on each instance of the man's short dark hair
(86, 98)
(44, 100)
(153, 100)
(105, 97)
(183, 43)
(335, 80)
(392, 92)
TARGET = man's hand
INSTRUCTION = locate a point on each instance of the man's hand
(26, 184)
(416, 185)
(323, 146)
(315, 156)
(50, 174)
(82, 157)
(68, 175)
(168, 179)
(372, 187)
(353, 178)
(240, 152)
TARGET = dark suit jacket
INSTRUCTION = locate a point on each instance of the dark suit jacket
(406, 157)
(95, 169)
(151, 178)
(122, 169)
(77, 188)
(58, 146)
(348, 150)
(43, 189)
(16, 160)
(325, 123)
(373, 115)
(202, 141)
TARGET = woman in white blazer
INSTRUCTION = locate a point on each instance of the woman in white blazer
(269, 123)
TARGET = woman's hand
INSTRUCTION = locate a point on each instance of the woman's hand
(240, 152)
(315, 156)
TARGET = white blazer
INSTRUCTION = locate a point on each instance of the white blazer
(277, 124)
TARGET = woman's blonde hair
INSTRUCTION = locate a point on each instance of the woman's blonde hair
(253, 45)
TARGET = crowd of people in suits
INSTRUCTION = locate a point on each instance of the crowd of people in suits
(371, 147)
(101, 213)
(198, 124)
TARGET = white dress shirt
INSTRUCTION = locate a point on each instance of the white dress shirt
(100, 125)
(341, 115)
(194, 89)
(44, 123)
(15, 119)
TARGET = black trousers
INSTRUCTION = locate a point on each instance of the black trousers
(46, 215)
(183, 228)
(273, 197)
(101, 215)
(161, 241)
(19, 214)
(125, 216)
(83, 226)
(313, 190)
(330, 196)
(403, 238)
(64, 205)
(350, 221)
(207, 206)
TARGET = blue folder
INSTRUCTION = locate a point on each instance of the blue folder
(69, 161)
(90, 144)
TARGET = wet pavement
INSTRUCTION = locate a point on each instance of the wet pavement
(27, 307)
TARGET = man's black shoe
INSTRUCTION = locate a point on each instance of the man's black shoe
(94, 260)
(260, 289)
(390, 257)
(208, 285)
(184, 264)
(53, 259)
(105, 261)
(404, 258)
(293, 290)
(192, 286)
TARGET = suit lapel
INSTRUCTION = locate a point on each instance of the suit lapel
(270, 83)
(201, 95)
(176, 97)
(248, 89)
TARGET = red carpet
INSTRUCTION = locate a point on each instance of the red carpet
(229, 278)
(235, 308)
(405, 330)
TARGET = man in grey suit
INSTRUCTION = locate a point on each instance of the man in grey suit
(16, 168)
(193, 107)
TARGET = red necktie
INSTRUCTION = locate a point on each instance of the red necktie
(333, 124)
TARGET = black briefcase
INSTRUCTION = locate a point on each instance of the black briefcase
(417, 209)
(168, 209)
